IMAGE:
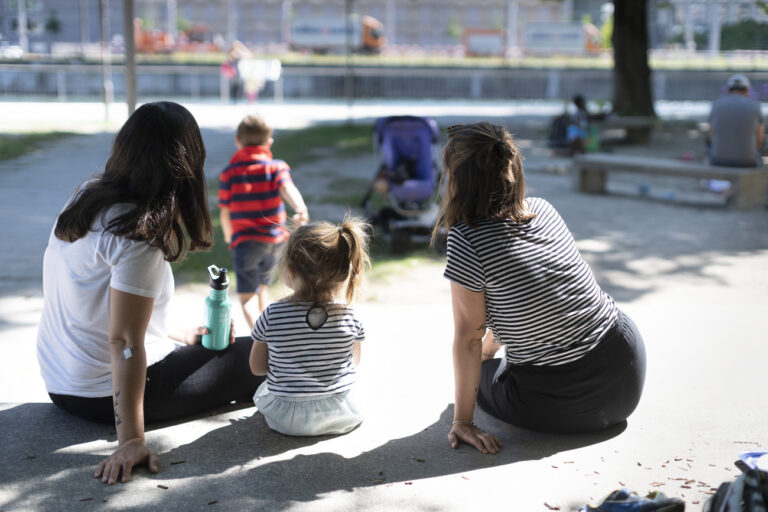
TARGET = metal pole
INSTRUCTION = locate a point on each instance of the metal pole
(390, 21)
(173, 19)
(84, 27)
(349, 78)
(231, 21)
(690, 44)
(108, 90)
(715, 20)
(285, 27)
(23, 39)
(513, 8)
(130, 56)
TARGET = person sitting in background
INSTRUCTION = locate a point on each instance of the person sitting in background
(736, 129)
(578, 127)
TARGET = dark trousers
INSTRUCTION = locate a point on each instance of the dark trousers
(190, 380)
(599, 390)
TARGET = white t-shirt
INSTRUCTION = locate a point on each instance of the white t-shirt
(72, 340)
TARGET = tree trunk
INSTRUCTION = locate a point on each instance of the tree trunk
(631, 74)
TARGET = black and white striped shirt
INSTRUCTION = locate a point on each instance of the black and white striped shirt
(541, 299)
(304, 361)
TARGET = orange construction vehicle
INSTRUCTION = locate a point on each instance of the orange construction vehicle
(198, 38)
(332, 34)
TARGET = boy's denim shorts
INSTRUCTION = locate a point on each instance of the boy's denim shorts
(253, 262)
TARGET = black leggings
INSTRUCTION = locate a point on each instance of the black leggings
(599, 390)
(190, 380)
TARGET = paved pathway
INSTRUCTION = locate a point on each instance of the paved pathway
(694, 279)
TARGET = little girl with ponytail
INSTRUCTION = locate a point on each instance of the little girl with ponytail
(308, 344)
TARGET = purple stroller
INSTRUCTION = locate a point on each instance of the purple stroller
(407, 179)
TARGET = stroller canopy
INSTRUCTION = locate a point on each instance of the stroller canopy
(406, 141)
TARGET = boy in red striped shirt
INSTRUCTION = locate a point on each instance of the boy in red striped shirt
(252, 189)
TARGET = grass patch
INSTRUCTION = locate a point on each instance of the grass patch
(387, 268)
(193, 268)
(302, 146)
(346, 192)
(13, 145)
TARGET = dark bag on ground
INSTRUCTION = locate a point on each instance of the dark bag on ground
(748, 493)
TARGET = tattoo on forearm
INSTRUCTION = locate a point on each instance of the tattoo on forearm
(118, 419)
(481, 334)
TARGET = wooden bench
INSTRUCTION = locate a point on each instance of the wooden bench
(748, 190)
(633, 129)
(625, 122)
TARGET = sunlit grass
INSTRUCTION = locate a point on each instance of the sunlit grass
(13, 145)
(300, 146)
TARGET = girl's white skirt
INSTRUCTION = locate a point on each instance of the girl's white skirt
(309, 415)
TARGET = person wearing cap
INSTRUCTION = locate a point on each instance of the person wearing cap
(736, 129)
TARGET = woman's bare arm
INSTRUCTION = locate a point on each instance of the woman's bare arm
(469, 330)
(128, 320)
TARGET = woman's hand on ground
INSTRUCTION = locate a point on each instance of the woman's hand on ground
(470, 434)
(133, 452)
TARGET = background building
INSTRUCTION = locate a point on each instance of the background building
(422, 24)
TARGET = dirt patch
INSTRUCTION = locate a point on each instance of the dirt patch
(332, 187)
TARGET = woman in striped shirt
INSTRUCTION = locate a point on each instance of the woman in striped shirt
(308, 344)
(573, 362)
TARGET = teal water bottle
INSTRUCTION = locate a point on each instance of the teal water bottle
(217, 310)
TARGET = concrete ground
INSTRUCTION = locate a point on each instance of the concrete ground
(692, 277)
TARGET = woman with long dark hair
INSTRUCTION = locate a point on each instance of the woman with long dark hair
(103, 347)
(573, 362)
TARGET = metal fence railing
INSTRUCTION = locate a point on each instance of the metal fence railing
(77, 81)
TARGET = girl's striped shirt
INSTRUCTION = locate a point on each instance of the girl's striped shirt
(304, 361)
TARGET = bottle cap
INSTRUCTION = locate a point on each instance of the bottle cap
(219, 277)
